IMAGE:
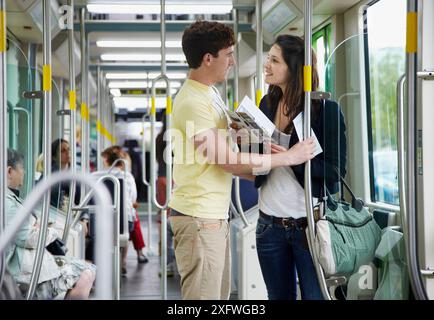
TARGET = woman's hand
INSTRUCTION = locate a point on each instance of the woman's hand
(301, 152)
(275, 148)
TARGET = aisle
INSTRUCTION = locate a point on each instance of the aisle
(142, 281)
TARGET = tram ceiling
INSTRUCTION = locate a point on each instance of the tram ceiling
(143, 67)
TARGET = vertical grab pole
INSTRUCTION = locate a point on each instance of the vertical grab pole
(29, 144)
(99, 137)
(411, 185)
(168, 158)
(84, 95)
(307, 73)
(46, 87)
(259, 52)
(72, 118)
(234, 107)
(3, 126)
(167, 151)
(236, 53)
(145, 181)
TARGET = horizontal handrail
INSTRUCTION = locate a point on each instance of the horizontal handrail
(103, 240)
(240, 209)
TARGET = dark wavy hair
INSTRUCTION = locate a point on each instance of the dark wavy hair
(293, 54)
(55, 148)
(204, 37)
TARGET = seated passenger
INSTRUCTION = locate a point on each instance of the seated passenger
(61, 276)
(60, 161)
(110, 155)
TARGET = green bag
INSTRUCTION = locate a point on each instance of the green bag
(346, 236)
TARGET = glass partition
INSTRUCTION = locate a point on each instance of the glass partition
(371, 157)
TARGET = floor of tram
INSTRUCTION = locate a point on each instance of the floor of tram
(142, 281)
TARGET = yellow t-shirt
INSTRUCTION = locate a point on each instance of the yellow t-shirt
(200, 189)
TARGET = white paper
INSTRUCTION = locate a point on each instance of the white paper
(249, 107)
(298, 124)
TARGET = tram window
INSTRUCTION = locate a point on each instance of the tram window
(321, 45)
(385, 52)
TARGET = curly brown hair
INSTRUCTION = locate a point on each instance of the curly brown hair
(204, 37)
(112, 154)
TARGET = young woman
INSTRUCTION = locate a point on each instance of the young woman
(280, 235)
(110, 155)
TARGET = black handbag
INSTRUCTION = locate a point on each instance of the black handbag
(57, 247)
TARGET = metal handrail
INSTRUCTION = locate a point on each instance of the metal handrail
(46, 142)
(240, 209)
(126, 169)
(307, 134)
(168, 158)
(168, 153)
(117, 205)
(259, 52)
(72, 122)
(401, 158)
(99, 137)
(29, 146)
(147, 183)
(411, 183)
(236, 66)
(239, 206)
(84, 99)
(103, 254)
(3, 126)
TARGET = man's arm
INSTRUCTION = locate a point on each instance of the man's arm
(213, 144)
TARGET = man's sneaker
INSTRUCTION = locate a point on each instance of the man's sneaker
(171, 269)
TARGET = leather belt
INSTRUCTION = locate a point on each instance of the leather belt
(286, 222)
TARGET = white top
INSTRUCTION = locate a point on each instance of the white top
(130, 191)
(281, 195)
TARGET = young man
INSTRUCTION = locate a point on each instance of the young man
(204, 163)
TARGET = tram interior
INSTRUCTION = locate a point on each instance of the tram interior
(116, 52)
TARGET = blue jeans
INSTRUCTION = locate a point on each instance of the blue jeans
(282, 255)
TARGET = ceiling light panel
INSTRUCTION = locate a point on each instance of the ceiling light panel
(140, 57)
(141, 84)
(188, 7)
(150, 75)
(137, 43)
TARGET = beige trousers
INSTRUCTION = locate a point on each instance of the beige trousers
(203, 257)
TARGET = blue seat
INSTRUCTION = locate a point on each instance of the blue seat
(248, 194)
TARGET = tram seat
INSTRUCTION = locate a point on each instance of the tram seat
(363, 285)
(247, 278)
(123, 215)
(248, 194)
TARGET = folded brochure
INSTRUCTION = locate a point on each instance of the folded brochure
(249, 116)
